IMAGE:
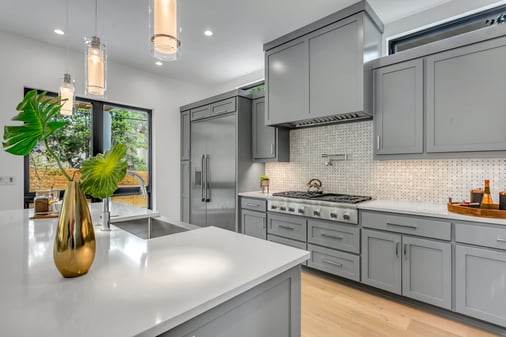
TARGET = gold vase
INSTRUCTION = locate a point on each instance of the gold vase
(74, 244)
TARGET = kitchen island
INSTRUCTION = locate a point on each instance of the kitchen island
(199, 282)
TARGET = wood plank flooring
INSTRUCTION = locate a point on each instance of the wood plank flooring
(331, 309)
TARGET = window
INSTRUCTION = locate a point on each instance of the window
(455, 27)
(95, 126)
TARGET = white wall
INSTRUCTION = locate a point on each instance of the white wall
(238, 82)
(29, 63)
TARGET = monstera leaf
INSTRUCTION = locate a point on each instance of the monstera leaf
(36, 111)
(101, 174)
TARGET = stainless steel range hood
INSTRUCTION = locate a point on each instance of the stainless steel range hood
(341, 118)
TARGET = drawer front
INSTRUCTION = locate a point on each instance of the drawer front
(200, 112)
(334, 235)
(334, 262)
(291, 227)
(222, 107)
(481, 235)
(288, 242)
(414, 225)
(254, 204)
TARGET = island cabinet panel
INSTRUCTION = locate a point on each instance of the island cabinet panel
(465, 98)
(270, 309)
(287, 78)
(479, 280)
(254, 224)
(185, 135)
(336, 73)
(185, 191)
(398, 108)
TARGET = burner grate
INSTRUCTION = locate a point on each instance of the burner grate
(330, 197)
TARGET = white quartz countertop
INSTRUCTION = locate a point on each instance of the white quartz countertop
(135, 287)
(256, 194)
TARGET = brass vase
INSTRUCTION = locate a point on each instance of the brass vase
(74, 244)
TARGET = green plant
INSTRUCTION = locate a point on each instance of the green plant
(263, 178)
(100, 175)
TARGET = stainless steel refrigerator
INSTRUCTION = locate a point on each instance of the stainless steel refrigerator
(213, 179)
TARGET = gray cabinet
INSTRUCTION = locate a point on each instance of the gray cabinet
(465, 98)
(398, 108)
(254, 224)
(414, 267)
(318, 71)
(480, 276)
(185, 135)
(185, 191)
(288, 226)
(269, 143)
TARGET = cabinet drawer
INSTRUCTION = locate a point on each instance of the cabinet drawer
(224, 106)
(291, 227)
(481, 235)
(200, 112)
(254, 204)
(428, 227)
(334, 262)
(334, 235)
(288, 242)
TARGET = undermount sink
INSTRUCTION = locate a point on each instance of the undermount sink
(151, 227)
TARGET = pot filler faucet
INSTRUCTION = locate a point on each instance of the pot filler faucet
(106, 211)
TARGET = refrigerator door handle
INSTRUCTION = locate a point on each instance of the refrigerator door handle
(202, 179)
(208, 191)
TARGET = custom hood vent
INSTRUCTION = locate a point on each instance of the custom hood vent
(341, 118)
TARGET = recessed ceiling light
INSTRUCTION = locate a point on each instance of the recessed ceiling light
(158, 63)
(59, 31)
(208, 32)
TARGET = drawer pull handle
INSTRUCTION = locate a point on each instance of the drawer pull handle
(406, 251)
(252, 205)
(397, 249)
(337, 264)
(220, 111)
(286, 227)
(398, 225)
(501, 239)
(332, 236)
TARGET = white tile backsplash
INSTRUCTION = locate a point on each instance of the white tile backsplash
(424, 180)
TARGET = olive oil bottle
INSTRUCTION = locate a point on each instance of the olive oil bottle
(486, 201)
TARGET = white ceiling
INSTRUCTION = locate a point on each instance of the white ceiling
(240, 28)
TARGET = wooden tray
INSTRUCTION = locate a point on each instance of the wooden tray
(482, 212)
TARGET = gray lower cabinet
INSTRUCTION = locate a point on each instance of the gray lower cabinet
(414, 267)
(254, 223)
(185, 191)
(398, 108)
(185, 135)
(465, 98)
(480, 289)
(288, 226)
(335, 262)
(269, 309)
(269, 143)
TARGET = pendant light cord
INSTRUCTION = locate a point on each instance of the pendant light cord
(67, 38)
(96, 17)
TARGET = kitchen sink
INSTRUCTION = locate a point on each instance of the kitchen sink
(152, 227)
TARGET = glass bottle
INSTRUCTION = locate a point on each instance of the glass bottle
(486, 201)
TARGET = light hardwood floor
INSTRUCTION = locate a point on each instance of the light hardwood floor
(331, 309)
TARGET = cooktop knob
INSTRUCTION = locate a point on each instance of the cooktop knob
(346, 216)
(316, 212)
(333, 215)
(301, 210)
(282, 208)
(274, 206)
(291, 209)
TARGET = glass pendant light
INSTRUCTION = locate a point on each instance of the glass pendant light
(67, 89)
(95, 63)
(166, 45)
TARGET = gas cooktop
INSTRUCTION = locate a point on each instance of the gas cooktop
(330, 197)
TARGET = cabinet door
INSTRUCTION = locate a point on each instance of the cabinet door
(426, 271)
(480, 290)
(185, 135)
(264, 137)
(465, 90)
(398, 108)
(336, 72)
(381, 260)
(185, 191)
(253, 224)
(287, 82)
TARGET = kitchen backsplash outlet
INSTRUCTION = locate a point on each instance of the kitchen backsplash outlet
(423, 180)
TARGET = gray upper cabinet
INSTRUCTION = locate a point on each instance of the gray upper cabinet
(318, 72)
(185, 135)
(465, 98)
(336, 74)
(269, 143)
(398, 108)
(287, 78)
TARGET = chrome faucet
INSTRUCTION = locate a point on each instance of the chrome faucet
(106, 211)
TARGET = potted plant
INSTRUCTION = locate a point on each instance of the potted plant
(264, 184)
(74, 247)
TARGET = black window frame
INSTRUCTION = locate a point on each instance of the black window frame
(447, 27)
(97, 146)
